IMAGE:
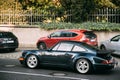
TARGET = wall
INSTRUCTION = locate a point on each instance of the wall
(29, 36)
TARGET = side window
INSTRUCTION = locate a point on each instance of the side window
(74, 34)
(56, 34)
(115, 38)
(65, 34)
(56, 47)
(65, 47)
(78, 48)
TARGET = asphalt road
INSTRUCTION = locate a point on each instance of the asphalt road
(11, 69)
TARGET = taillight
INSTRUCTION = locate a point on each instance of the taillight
(105, 62)
(86, 40)
(108, 61)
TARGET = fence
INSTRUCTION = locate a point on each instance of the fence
(33, 17)
(105, 15)
(37, 17)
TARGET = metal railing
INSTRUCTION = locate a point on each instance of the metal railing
(105, 15)
(38, 17)
(33, 17)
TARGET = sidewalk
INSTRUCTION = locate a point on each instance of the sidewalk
(14, 55)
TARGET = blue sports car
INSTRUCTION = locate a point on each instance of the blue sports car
(77, 55)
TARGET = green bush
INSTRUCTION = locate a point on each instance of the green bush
(96, 26)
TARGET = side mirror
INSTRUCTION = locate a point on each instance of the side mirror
(49, 36)
(49, 50)
(119, 40)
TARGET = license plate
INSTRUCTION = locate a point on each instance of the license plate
(10, 41)
(92, 40)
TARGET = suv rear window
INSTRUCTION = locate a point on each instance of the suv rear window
(90, 34)
(6, 35)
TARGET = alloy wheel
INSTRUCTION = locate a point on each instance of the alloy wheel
(32, 61)
(83, 66)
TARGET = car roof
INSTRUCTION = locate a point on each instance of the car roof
(79, 43)
(4, 32)
(76, 30)
(68, 41)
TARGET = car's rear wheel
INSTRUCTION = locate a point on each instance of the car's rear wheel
(32, 61)
(83, 66)
(41, 46)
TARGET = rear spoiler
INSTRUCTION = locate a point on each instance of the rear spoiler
(105, 52)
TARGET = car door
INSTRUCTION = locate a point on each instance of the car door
(53, 39)
(59, 55)
(115, 43)
(65, 35)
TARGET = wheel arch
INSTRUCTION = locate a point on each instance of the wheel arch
(102, 46)
(26, 57)
(41, 42)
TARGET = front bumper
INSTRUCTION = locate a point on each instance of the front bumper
(22, 60)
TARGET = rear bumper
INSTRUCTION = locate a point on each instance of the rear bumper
(105, 66)
(8, 46)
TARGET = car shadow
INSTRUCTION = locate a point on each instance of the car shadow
(64, 69)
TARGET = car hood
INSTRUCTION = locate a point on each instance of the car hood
(105, 41)
(43, 38)
(32, 51)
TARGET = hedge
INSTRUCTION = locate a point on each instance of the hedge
(96, 26)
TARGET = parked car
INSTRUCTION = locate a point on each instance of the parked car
(72, 34)
(8, 41)
(71, 54)
(111, 44)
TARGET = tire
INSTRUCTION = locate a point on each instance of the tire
(32, 61)
(83, 66)
(42, 46)
(103, 47)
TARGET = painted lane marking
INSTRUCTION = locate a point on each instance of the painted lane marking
(34, 74)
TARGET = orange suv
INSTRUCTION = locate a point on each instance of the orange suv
(72, 34)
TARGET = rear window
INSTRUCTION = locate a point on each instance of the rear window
(90, 34)
(6, 35)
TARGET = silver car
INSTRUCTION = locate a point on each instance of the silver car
(111, 44)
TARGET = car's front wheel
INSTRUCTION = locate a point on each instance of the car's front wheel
(83, 66)
(32, 61)
(103, 47)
